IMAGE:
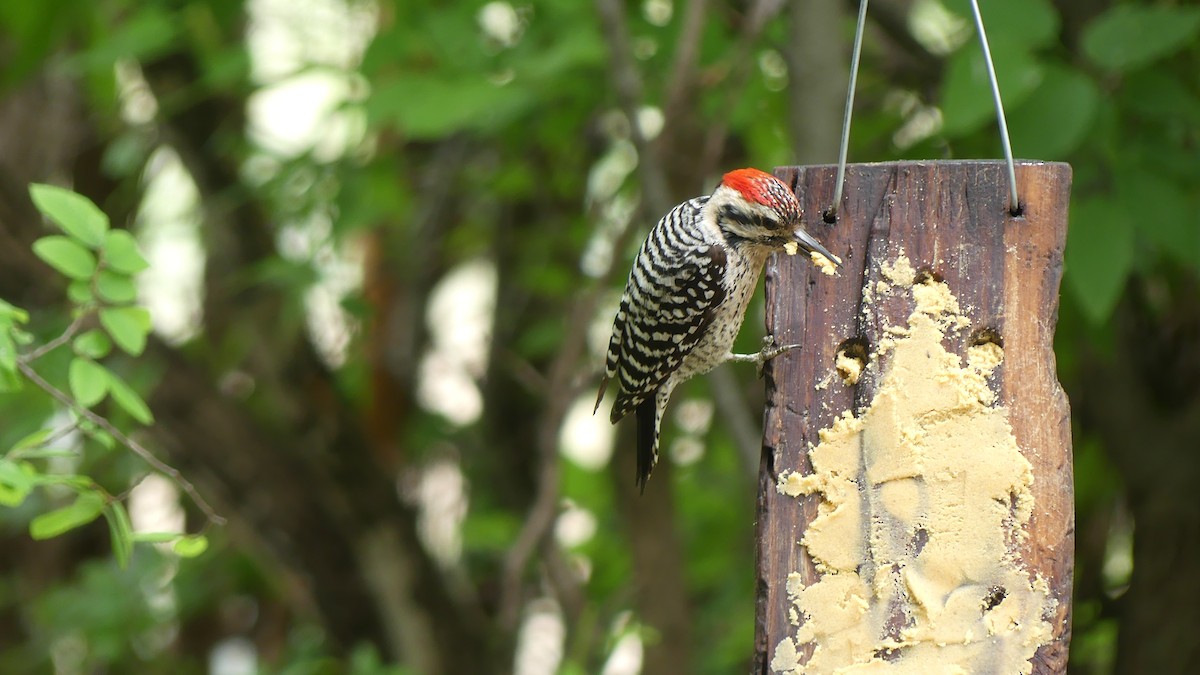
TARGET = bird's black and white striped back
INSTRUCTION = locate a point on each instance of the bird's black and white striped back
(687, 294)
(669, 302)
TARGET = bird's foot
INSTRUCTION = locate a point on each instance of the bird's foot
(769, 351)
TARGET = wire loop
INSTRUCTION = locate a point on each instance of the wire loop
(830, 214)
(1014, 208)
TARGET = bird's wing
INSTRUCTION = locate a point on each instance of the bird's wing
(670, 300)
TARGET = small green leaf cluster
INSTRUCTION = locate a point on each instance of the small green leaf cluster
(19, 476)
(11, 336)
(101, 264)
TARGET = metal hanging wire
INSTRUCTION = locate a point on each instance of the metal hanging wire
(1014, 208)
(831, 213)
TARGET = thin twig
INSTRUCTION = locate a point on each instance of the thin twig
(57, 342)
(739, 418)
(133, 486)
(756, 19)
(544, 510)
(137, 448)
(559, 392)
(47, 441)
(628, 84)
(687, 55)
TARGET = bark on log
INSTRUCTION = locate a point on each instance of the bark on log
(952, 221)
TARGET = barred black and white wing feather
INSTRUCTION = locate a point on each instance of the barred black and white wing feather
(687, 294)
(670, 299)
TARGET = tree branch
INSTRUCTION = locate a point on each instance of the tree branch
(817, 74)
(734, 86)
(559, 393)
(146, 456)
(687, 56)
(629, 87)
(71, 330)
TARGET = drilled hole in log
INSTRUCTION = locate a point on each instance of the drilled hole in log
(851, 360)
(985, 336)
(1018, 211)
(927, 276)
(887, 654)
(919, 540)
(995, 596)
(829, 216)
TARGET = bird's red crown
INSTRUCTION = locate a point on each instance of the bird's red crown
(762, 188)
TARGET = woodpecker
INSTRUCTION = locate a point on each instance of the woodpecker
(686, 296)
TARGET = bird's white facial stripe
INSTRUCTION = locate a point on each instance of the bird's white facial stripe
(751, 221)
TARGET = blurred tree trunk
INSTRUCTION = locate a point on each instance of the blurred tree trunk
(660, 587)
(818, 68)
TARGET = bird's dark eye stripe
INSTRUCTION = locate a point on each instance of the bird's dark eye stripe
(749, 220)
(730, 213)
(671, 313)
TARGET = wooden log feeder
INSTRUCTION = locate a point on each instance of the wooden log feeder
(915, 509)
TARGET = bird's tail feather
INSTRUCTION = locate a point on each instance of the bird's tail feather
(647, 440)
(600, 394)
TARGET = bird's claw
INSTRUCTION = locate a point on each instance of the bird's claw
(770, 350)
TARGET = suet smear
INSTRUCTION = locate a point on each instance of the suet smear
(925, 497)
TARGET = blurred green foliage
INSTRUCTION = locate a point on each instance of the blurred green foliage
(465, 132)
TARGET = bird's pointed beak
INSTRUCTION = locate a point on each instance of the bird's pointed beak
(808, 244)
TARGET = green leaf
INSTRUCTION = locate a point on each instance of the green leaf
(22, 338)
(34, 33)
(17, 480)
(1167, 218)
(1056, 117)
(89, 429)
(1099, 255)
(32, 440)
(88, 380)
(8, 352)
(1162, 96)
(93, 344)
(10, 496)
(80, 292)
(121, 531)
(128, 399)
(144, 33)
(190, 546)
(9, 380)
(115, 287)
(121, 252)
(1129, 36)
(429, 106)
(66, 255)
(74, 213)
(80, 484)
(44, 453)
(967, 94)
(86, 508)
(128, 327)
(1033, 22)
(12, 313)
(126, 154)
(491, 532)
(155, 537)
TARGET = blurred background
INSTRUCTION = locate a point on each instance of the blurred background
(386, 242)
